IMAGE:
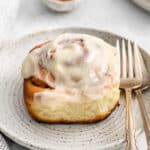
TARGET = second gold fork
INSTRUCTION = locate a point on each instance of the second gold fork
(130, 79)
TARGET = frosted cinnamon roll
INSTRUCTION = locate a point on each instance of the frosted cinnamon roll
(71, 79)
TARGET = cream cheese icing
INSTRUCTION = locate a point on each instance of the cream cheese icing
(79, 62)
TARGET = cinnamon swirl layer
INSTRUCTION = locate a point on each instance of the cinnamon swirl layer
(77, 72)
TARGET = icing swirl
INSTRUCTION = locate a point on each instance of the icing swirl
(76, 61)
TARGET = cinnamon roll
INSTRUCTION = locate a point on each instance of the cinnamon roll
(71, 79)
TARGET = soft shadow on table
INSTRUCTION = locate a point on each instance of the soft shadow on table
(138, 8)
(39, 5)
(13, 146)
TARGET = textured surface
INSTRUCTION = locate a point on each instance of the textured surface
(26, 131)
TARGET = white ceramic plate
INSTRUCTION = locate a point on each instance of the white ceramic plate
(20, 127)
(145, 4)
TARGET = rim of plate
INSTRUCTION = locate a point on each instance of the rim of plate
(143, 4)
(35, 146)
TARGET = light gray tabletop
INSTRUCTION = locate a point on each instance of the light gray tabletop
(119, 16)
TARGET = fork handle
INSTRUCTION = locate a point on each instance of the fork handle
(146, 120)
(130, 128)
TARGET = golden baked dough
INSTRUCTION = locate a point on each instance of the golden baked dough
(66, 110)
(87, 112)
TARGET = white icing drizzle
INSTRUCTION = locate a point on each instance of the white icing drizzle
(77, 61)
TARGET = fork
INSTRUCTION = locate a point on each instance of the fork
(145, 85)
(130, 76)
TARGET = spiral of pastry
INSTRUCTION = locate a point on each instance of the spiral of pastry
(72, 69)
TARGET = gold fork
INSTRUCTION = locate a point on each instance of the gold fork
(145, 85)
(130, 76)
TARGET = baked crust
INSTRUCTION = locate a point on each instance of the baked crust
(36, 109)
(30, 89)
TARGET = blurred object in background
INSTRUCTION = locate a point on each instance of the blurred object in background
(8, 15)
(62, 5)
(145, 4)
